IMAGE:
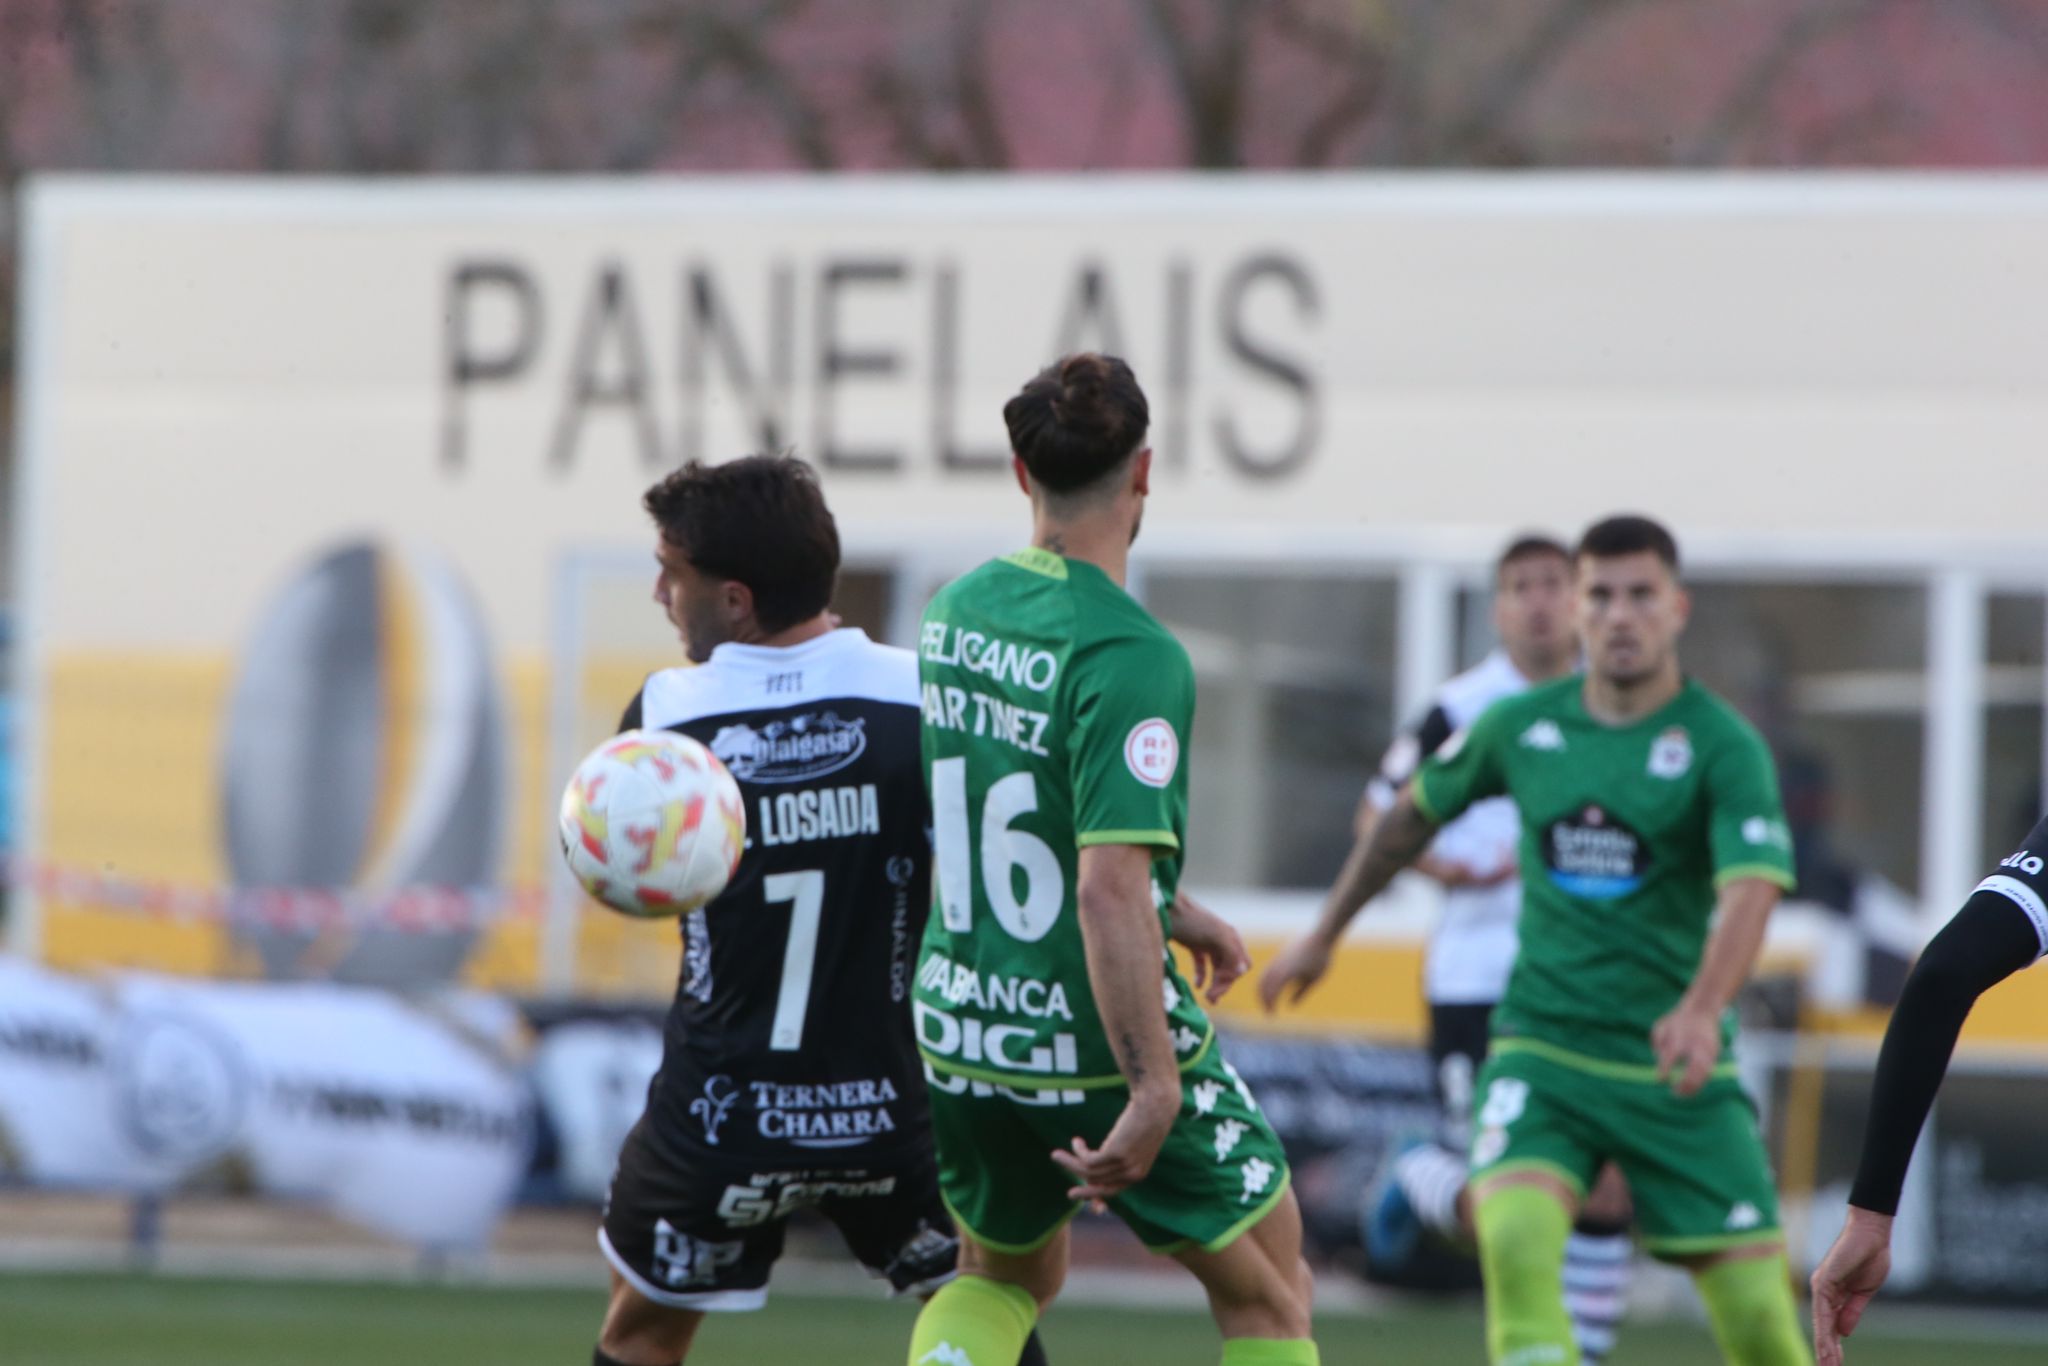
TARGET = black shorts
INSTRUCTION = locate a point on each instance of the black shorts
(1457, 1050)
(697, 1230)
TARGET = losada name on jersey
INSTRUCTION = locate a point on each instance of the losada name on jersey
(819, 813)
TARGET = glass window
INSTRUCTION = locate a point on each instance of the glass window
(2013, 686)
(1834, 675)
(1295, 680)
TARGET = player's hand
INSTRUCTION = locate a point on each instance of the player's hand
(1218, 952)
(1300, 966)
(1846, 1279)
(1127, 1154)
(1688, 1044)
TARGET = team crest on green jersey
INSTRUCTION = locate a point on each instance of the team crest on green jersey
(1671, 754)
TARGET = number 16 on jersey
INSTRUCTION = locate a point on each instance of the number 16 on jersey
(1005, 852)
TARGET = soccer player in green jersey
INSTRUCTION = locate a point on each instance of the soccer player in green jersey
(1653, 850)
(1068, 1060)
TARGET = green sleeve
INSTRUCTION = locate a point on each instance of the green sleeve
(1133, 702)
(1466, 768)
(1746, 822)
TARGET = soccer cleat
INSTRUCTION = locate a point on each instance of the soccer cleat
(1393, 1229)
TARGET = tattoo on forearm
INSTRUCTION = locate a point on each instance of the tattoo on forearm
(1133, 1059)
(1397, 841)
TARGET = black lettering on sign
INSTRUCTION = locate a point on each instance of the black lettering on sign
(608, 369)
(1286, 371)
(953, 454)
(837, 362)
(764, 399)
(1180, 365)
(470, 359)
(1091, 313)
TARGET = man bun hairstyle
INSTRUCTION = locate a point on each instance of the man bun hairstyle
(761, 521)
(1077, 420)
(1628, 534)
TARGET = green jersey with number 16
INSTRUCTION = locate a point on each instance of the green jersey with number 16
(1056, 710)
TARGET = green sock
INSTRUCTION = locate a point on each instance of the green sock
(1522, 1233)
(1755, 1317)
(1270, 1352)
(973, 1321)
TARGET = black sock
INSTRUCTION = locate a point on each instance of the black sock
(598, 1357)
(1034, 1351)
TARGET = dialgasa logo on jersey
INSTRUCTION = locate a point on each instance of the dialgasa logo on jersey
(1591, 854)
(790, 751)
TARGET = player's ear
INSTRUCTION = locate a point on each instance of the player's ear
(1023, 475)
(1141, 472)
(1683, 605)
(738, 600)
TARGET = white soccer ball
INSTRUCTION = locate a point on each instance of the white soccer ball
(652, 824)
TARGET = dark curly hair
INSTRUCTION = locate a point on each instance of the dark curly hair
(761, 521)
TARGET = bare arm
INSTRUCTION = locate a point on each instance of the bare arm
(1383, 849)
(1215, 949)
(1121, 936)
(1688, 1039)
(1388, 845)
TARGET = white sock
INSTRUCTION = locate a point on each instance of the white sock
(1431, 1178)
(1596, 1276)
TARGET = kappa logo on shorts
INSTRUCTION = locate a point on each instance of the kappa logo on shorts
(1152, 752)
(1228, 1132)
(946, 1354)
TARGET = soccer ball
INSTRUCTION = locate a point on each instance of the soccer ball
(652, 824)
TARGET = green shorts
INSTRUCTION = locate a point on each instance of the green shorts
(1696, 1167)
(1220, 1171)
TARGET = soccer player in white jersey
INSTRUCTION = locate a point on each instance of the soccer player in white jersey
(1473, 946)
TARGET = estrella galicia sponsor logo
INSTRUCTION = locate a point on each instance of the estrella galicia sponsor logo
(183, 1087)
(713, 1106)
(792, 750)
(2025, 861)
(1593, 855)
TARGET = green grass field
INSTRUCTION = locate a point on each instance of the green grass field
(80, 1320)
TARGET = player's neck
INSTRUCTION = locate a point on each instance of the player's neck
(1614, 702)
(1100, 541)
(1540, 668)
(803, 631)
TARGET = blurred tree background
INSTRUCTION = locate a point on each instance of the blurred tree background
(400, 87)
